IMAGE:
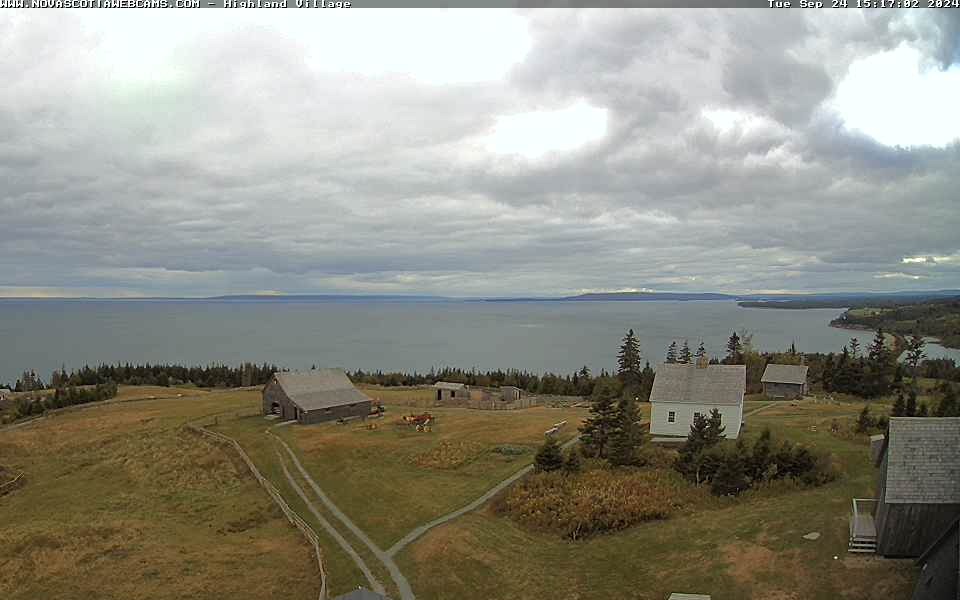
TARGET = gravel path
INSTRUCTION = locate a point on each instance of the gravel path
(375, 585)
(406, 593)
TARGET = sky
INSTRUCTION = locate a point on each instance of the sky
(478, 152)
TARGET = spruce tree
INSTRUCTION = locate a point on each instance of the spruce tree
(915, 354)
(628, 364)
(626, 438)
(948, 404)
(923, 411)
(827, 373)
(879, 366)
(762, 456)
(701, 351)
(899, 408)
(715, 428)
(855, 347)
(734, 350)
(646, 381)
(572, 463)
(865, 420)
(549, 457)
(911, 404)
(731, 476)
(672, 352)
(685, 357)
(598, 427)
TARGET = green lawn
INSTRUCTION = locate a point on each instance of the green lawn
(393, 478)
(121, 502)
(746, 548)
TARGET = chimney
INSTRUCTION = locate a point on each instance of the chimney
(703, 362)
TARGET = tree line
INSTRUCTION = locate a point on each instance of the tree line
(164, 375)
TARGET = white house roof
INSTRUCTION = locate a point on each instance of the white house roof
(319, 388)
(446, 385)
(923, 461)
(784, 374)
(714, 384)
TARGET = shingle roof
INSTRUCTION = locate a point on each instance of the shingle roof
(784, 374)
(923, 461)
(715, 384)
(319, 388)
(446, 385)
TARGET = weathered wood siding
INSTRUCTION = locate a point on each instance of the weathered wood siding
(906, 530)
(783, 390)
(360, 409)
(938, 579)
(273, 393)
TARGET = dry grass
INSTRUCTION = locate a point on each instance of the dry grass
(123, 503)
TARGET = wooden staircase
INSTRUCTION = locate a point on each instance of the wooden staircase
(863, 530)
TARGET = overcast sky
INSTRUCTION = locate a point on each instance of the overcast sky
(478, 152)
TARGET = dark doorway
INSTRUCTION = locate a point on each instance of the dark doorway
(275, 408)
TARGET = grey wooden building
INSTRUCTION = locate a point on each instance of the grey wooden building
(314, 396)
(451, 393)
(940, 568)
(784, 381)
(918, 495)
(509, 393)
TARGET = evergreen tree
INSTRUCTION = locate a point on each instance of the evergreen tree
(762, 456)
(827, 373)
(865, 421)
(646, 381)
(854, 347)
(572, 463)
(731, 476)
(899, 408)
(715, 428)
(549, 457)
(915, 354)
(734, 350)
(948, 404)
(911, 404)
(672, 352)
(923, 411)
(879, 366)
(685, 357)
(701, 351)
(793, 349)
(599, 426)
(628, 364)
(626, 438)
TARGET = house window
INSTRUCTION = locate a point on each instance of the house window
(453, 394)
(672, 417)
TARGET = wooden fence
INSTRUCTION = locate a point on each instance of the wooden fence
(16, 482)
(288, 512)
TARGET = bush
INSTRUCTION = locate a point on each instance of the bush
(549, 457)
(596, 501)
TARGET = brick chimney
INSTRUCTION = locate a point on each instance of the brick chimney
(703, 362)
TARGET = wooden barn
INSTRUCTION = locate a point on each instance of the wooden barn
(784, 381)
(681, 391)
(918, 494)
(940, 568)
(451, 393)
(314, 396)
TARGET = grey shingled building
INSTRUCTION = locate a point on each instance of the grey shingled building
(918, 495)
(784, 381)
(314, 396)
(451, 393)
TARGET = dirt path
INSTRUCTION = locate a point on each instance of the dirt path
(419, 531)
(406, 593)
(375, 585)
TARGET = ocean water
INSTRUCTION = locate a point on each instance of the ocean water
(389, 335)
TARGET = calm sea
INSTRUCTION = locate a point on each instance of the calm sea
(388, 335)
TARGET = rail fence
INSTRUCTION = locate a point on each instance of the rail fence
(16, 482)
(288, 512)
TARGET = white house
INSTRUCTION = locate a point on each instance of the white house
(681, 391)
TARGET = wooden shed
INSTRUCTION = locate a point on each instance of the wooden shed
(940, 568)
(451, 393)
(784, 381)
(314, 396)
(918, 495)
(509, 393)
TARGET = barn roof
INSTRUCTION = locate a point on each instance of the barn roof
(714, 384)
(319, 388)
(923, 461)
(784, 374)
(446, 385)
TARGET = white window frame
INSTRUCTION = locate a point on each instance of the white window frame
(671, 416)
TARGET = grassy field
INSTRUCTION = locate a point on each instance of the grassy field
(392, 478)
(747, 548)
(121, 502)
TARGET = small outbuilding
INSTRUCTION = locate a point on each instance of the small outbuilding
(314, 396)
(918, 494)
(447, 392)
(682, 391)
(784, 381)
(509, 393)
(940, 568)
